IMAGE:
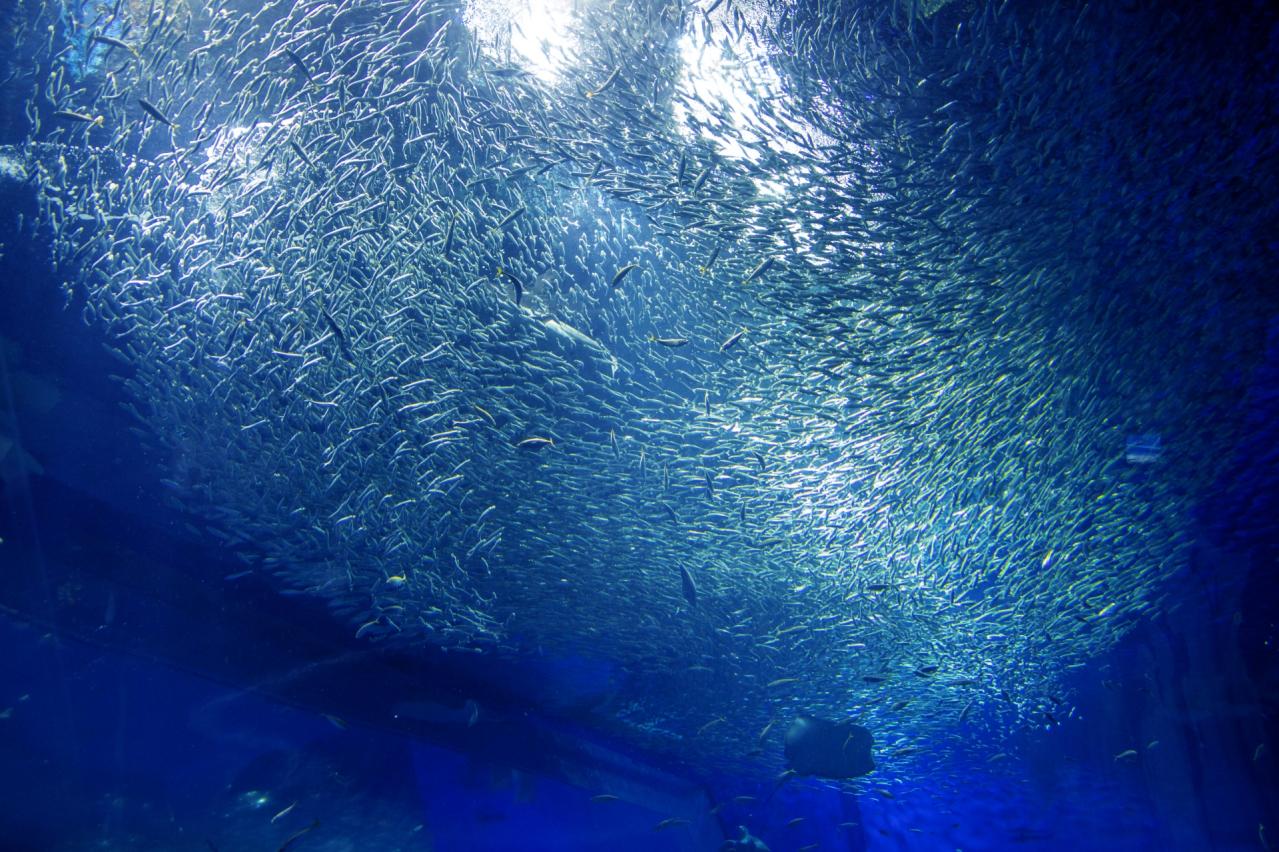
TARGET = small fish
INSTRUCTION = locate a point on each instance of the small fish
(516, 283)
(796, 821)
(698, 184)
(284, 812)
(669, 822)
(705, 268)
(712, 723)
(670, 341)
(1125, 755)
(298, 835)
(511, 217)
(781, 681)
(72, 115)
(605, 797)
(301, 66)
(338, 335)
(152, 111)
(612, 78)
(448, 235)
(534, 443)
(760, 269)
(621, 274)
(690, 588)
(336, 721)
(731, 341)
(298, 148)
(113, 42)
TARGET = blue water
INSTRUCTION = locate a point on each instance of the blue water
(148, 707)
(155, 694)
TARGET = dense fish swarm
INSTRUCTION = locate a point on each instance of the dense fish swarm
(784, 355)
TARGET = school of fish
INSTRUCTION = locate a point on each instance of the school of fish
(782, 355)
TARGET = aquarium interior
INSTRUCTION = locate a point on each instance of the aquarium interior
(160, 691)
(152, 704)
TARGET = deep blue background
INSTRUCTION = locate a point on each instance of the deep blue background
(148, 703)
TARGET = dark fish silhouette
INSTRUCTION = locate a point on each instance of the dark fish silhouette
(828, 749)
(690, 588)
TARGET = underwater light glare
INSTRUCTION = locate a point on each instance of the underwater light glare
(11, 168)
(709, 75)
(720, 68)
(534, 33)
(725, 82)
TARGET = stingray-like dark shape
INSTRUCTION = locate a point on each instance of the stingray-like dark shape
(828, 749)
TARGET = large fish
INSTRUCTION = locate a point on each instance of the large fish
(828, 749)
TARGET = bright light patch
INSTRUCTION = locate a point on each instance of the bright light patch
(725, 82)
(715, 88)
(536, 34)
(11, 168)
(242, 148)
